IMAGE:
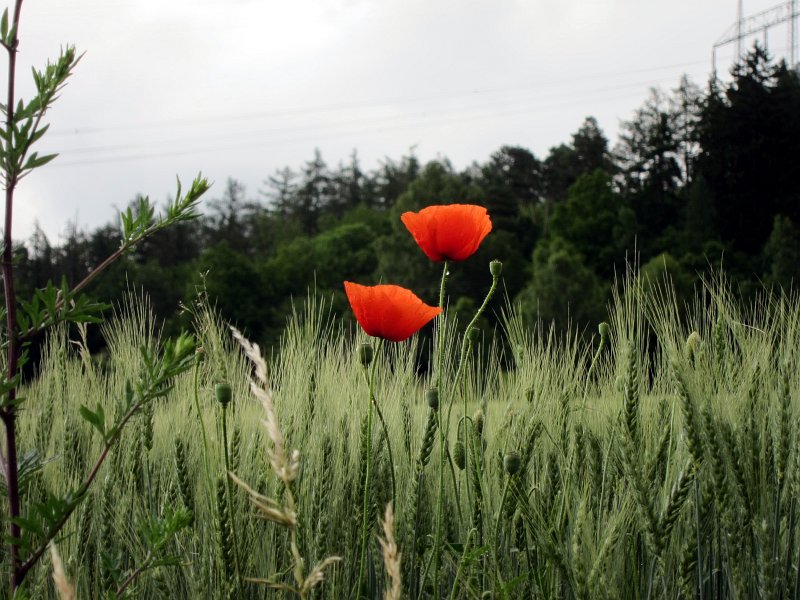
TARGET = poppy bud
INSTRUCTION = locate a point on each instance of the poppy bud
(495, 268)
(365, 354)
(604, 329)
(459, 455)
(432, 398)
(478, 418)
(200, 354)
(512, 462)
(473, 333)
(693, 345)
(223, 393)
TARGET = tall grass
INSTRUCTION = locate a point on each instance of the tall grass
(669, 472)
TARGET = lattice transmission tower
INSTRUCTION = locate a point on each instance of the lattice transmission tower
(760, 24)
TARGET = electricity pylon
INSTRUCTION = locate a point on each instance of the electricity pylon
(760, 23)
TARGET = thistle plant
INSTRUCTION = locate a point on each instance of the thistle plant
(33, 527)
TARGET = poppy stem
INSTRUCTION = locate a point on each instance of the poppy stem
(442, 434)
(440, 360)
(466, 345)
(200, 420)
(367, 475)
(388, 447)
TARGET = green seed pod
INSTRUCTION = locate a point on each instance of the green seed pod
(693, 345)
(478, 419)
(495, 268)
(459, 455)
(432, 398)
(200, 354)
(512, 463)
(604, 329)
(473, 333)
(365, 354)
(223, 393)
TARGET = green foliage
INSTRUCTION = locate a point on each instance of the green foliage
(25, 128)
(782, 253)
(664, 272)
(562, 288)
(592, 220)
(567, 162)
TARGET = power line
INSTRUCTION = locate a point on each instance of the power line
(234, 142)
(384, 102)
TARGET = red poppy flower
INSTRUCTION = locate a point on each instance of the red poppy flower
(449, 232)
(390, 312)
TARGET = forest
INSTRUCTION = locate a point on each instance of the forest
(699, 182)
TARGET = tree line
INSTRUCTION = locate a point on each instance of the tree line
(699, 180)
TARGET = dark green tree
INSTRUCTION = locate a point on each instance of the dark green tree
(313, 194)
(596, 222)
(234, 286)
(228, 219)
(347, 187)
(782, 253)
(392, 179)
(650, 171)
(587, 152)
(750, 136)
(562, 289)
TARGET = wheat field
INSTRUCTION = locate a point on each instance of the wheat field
(663, 465)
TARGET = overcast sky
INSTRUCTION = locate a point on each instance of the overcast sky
(240, 88)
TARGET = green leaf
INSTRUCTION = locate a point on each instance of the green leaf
(96, 418)
(35, 161)
(4, 26)
(37, 134)
(85, 310)
(6, 385)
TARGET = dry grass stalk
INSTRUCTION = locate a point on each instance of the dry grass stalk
(269, 509)
(285, 467)
(65, 589)
(391, 557)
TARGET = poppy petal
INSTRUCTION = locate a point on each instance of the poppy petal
(390, 312)
(448, 232)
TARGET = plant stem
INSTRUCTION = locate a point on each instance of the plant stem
(202, 425)
(388, 443)
(365, 506)
(389, 448)
(230, 498)
(133, 576)
(496, 541)
(600, 347)
(437, 538)
(461, 563)
(9, 412)
(442, 321)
